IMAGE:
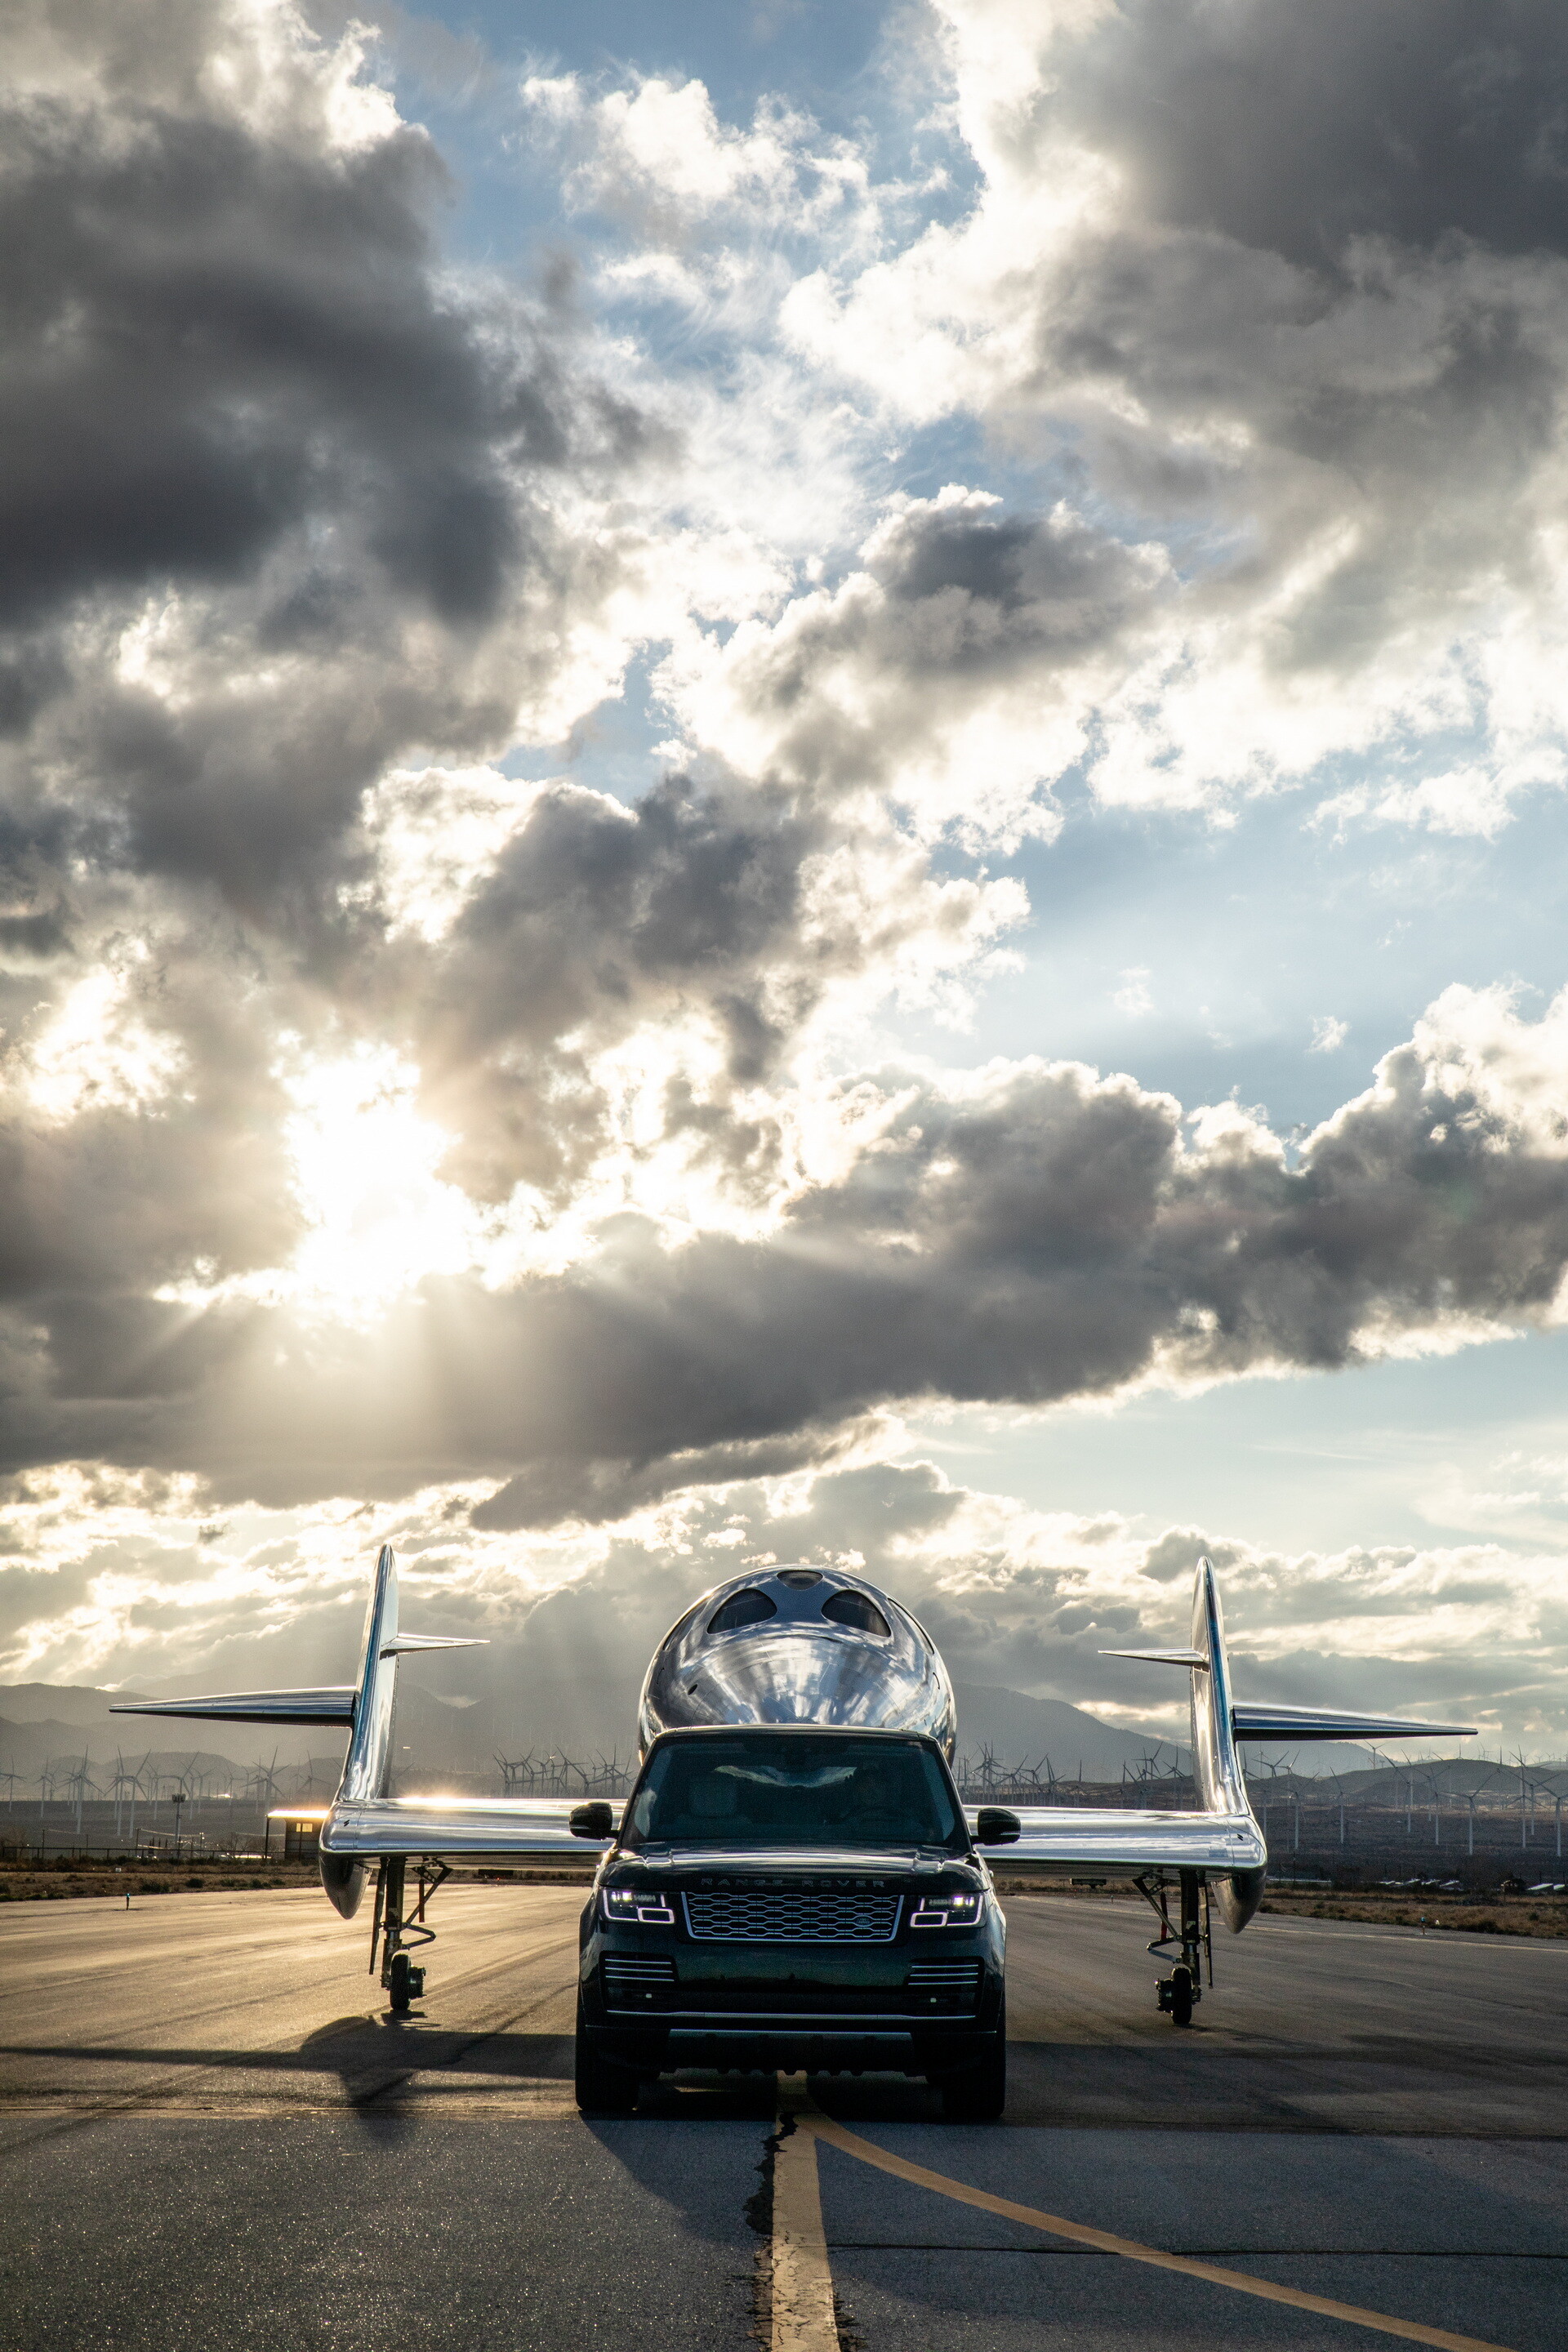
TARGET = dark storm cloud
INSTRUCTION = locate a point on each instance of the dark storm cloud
(976, 589)
(564, 1487)
(956, 612)
(1280, 295)
(211, 335)
(1298, 129)
(240, 393)
(1328, 290)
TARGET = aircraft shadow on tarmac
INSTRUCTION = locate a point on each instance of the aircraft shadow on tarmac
(366, 2055)
(1177, 2083)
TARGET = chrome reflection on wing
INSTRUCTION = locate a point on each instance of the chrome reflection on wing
(515, 1829)
(1124, 1842)
(798, 1645)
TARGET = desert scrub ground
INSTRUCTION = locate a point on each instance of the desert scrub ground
(60, 1880)
(1508, 1915)
(1487, 1914)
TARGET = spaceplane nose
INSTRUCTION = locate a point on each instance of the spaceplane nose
(798, 1676)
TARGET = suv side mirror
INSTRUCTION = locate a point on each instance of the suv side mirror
(995, 1825)
(595, 1820)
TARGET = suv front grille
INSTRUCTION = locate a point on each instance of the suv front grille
(826, 1913)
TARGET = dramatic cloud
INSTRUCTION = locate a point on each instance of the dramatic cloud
(1291, 287)
(969, 644)
(410, 1113)
(280, 497)
(1030, 1233)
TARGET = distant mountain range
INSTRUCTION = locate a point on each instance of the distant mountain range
(520, 1707)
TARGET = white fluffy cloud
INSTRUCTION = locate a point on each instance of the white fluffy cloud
(1289, 291)
(122, 1581)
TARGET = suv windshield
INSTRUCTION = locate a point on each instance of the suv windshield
(791, 1788)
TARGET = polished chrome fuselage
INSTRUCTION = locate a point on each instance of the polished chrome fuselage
(798, 1666)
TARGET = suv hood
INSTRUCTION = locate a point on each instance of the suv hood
(792, 1861)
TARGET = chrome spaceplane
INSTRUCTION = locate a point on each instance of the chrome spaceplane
(793, 1880)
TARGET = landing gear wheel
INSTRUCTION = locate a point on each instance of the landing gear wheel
(602, 2089)
(978, 2095)
(399, 1983)
(1177, 1993)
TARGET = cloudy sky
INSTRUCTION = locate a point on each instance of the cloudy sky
(788, 780)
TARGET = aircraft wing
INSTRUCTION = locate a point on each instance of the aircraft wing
(1057, 1838)
(516, 1828)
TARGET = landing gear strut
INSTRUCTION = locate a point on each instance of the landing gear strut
(1178, 1992)
(391, 1933)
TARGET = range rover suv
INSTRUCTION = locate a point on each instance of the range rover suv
(784, 1897)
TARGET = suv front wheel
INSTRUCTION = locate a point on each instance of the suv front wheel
(603, 2089)
(979, 2094)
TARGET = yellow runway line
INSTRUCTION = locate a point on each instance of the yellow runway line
(803, 2318)
(850, 2144)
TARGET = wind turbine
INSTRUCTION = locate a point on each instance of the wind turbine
(117, 1788)
(79, 1781)
(1526, 1800)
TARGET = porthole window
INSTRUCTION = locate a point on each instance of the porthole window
(748, 1608)
(855, 1609)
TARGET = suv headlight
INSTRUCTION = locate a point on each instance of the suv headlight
(948, 1910)
(637, 1906)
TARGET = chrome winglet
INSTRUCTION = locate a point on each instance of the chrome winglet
(335, 1705)
(362, 1709)
(1336, 1723)
(367, 1768)
(1219, 1720)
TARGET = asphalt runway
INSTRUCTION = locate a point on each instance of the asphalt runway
(214, 2135)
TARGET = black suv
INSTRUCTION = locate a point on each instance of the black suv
(793, 1898)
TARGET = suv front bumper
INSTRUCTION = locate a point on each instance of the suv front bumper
(658, 2004)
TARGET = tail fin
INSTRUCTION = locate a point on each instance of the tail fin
(367, 1768)
(362, 1709)
(1219, 1721)
(1221, 1783)
(343, 1704)
(1260, 1722)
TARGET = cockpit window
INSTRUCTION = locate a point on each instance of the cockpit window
(848, 1607)
(748, 1608)
(791, 1788)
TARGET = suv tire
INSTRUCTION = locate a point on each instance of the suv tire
(979, 2094)
(603, 2089)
